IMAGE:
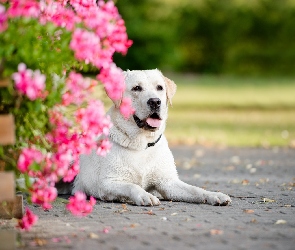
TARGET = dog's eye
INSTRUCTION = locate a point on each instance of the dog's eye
(137, 88)
(159, 88)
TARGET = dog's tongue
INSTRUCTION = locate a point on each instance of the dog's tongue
(155, 123)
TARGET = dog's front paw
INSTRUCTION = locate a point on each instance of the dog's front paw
(145, 199)
(217, 199)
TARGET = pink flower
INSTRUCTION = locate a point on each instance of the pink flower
(28, 220)
(77, 89)
(88, 47)
(113, 27)
(109, 33)
(96, 17)
(92, 119)
(25, 8)
(71, 141)
(126, 108)
(83, 3)
(43, 193)
(113, 80)
(57, 13)
(72, 171)
(28, 82)
(104, 147)
(27, 157)
(65, 18)
(3, 18)
(79, 206)
(85, 45)
(119, 39)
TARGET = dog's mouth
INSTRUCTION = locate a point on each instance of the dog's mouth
(152, 122)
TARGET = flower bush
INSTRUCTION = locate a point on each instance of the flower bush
(45, 45)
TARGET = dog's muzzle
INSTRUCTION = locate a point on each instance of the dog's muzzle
(151, 123)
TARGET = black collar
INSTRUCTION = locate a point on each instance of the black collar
(153, 143)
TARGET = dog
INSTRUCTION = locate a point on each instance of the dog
(140, 163)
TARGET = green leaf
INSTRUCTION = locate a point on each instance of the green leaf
(35, 166)
(27, 181)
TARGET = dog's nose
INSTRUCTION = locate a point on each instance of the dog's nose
(154, 103)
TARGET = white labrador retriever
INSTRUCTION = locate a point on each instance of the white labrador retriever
(140, 161)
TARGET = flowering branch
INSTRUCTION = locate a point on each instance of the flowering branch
(59, 38)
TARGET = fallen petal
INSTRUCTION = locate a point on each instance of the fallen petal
(278, 222)
(216, 232)
(93, 236)
(248, 211)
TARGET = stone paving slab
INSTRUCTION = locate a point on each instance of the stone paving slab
(261, 183)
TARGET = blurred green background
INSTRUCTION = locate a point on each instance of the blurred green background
(233, 62)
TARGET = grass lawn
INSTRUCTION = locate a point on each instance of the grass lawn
(232, 111)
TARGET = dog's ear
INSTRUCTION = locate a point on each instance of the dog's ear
(170, 89)
(119, 101)
(116, 102)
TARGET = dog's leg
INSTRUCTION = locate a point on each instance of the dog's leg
(130, 191)
(178, 190)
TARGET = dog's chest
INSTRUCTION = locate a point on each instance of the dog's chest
(142, 169)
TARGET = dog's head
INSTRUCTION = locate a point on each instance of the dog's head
(150, 93)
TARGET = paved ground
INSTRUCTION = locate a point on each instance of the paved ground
(261, 183)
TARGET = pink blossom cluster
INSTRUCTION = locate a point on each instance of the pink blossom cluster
(57, 13)
(101, 33)
(27, 157)
(104, 147)
(77, 89)
(23, 8)
(87, 47)
(79, 206)
(68, 143)
(30, 83)
(93, 120)
(71, 141)
(43, 193)
(113, 80)
(107, 29)
(126, 108)
(28, 220)
(64, 161)
(42, 189)
(104, 19)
